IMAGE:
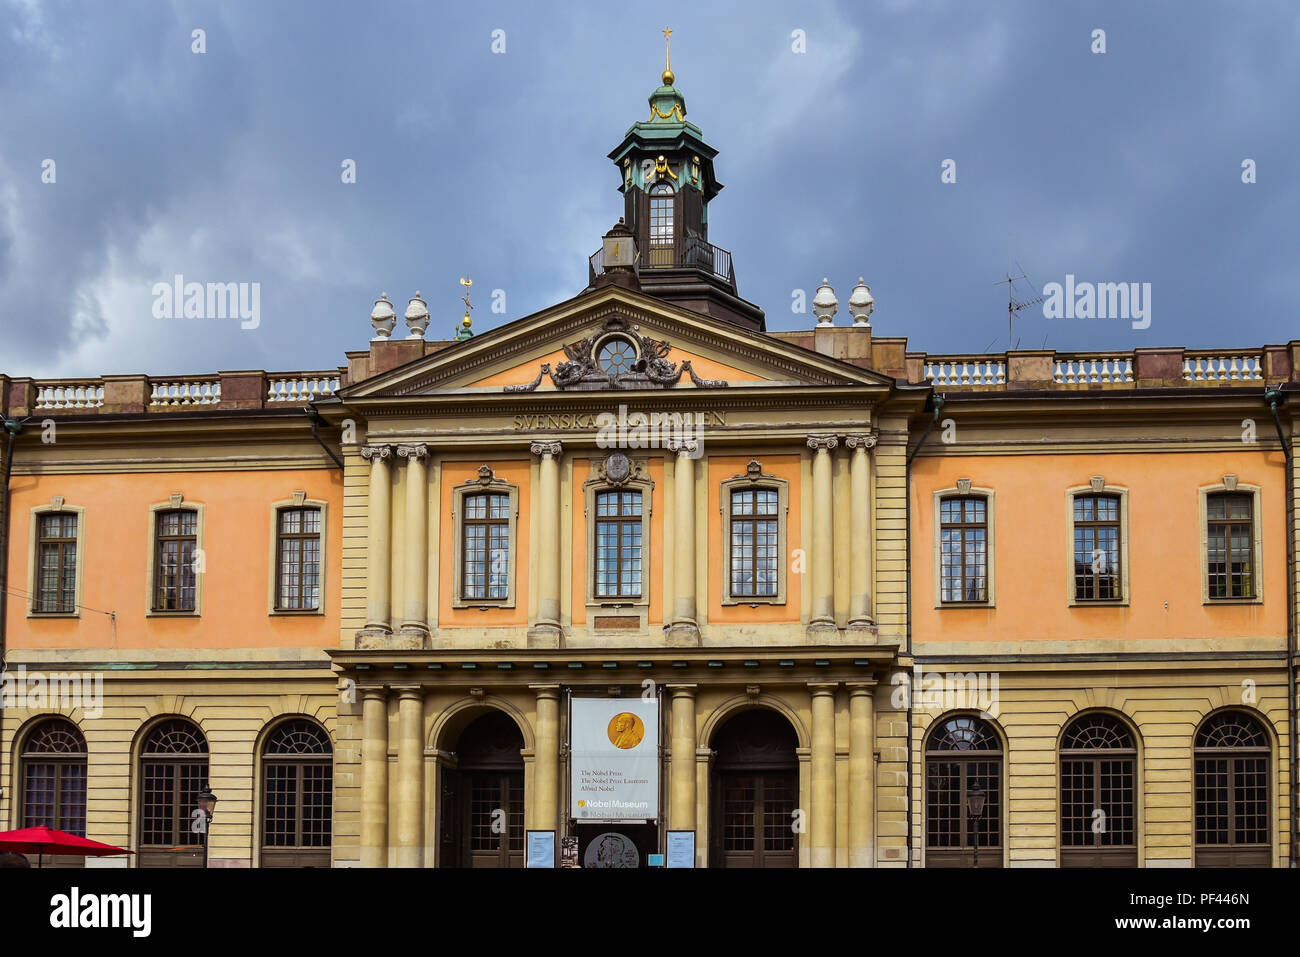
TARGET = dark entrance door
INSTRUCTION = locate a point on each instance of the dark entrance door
(483, 797)
(755, 792)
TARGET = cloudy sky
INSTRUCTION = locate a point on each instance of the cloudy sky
(225, 166)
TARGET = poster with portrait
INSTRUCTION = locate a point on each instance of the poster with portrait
(614, 759)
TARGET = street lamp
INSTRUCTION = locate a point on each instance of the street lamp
(207, 802)
(975, 807)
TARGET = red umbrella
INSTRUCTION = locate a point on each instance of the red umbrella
(46, 840)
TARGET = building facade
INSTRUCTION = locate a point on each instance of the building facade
(634, 576)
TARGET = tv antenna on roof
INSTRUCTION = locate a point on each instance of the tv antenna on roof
(1015, 305)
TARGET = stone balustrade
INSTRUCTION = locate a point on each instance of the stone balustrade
(1142, 368)
(155, 394)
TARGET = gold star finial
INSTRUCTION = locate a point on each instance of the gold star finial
(668, 69)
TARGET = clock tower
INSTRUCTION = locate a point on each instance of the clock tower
(667, 182)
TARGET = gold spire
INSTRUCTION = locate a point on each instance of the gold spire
(668, 69)
(465, 332)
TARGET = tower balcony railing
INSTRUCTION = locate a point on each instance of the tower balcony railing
(686, 253)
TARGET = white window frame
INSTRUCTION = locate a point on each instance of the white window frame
(486, 483)
(965, 490)
(299, 500)
(1120, 492)
(56, 506)
(1257, 536)
(755, 480)
(177, 501)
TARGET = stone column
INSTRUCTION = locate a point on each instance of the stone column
(684, 627)
(379, 569)
(410, 777)
(860, 617)
(681, 778)
(823, 774)
(823, 571)
(862, 774)
(374, 777)
(415, 619)
(546, 761)
(545, 631)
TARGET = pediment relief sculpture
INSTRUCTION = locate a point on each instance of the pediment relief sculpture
(617, 357)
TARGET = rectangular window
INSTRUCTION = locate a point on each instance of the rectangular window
(754, 531)
(963, 544)
(485, 573)
(1230, 545)
(618, 544)
(298, 559)
(56, 563)
(1096, 548)
(174, 560)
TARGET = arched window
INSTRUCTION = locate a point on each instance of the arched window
(963, 794)
(297, 795)
(1232, 792)
(173, 770)
(1098, 793)
(661, 225)
(54, 777)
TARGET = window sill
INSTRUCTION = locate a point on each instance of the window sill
(753, 602)
(38, 615)
(172, 614)
(1108, 603)
(1207, 602)
(481, 605)
(295, 613)
(964, 604)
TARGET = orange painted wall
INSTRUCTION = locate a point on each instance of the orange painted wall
(458, 473)
(652, 576)
(722, 468)
(1032, 551)
(114, 552)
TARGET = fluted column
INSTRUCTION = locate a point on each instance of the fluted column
(545, 631)
(823, 774)
(374, 777)
(862, 774)
(546, 762)
(415, 619)
(860, 617)
(684, 628)
(823, 571)
(681, 780)
(378, 561)
(410, 777)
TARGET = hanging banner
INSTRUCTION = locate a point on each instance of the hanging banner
(614, 759)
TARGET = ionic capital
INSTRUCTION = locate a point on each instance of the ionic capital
(822, 443)
(415, 452)
(553, 449)
(865, 440)
(372, 452)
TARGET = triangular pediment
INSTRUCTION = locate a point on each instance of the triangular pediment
(558, 349)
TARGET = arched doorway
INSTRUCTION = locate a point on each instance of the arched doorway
(173, 770)
(963, 794)
(754, 792)
(1098, 793)
(297, 795)
(481, 798)
(1232, 759)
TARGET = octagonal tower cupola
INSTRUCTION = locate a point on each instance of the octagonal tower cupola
(667, 182)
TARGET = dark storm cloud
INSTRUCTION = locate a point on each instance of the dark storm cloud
(225, 166)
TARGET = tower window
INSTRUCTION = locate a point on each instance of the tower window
(661, 224)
